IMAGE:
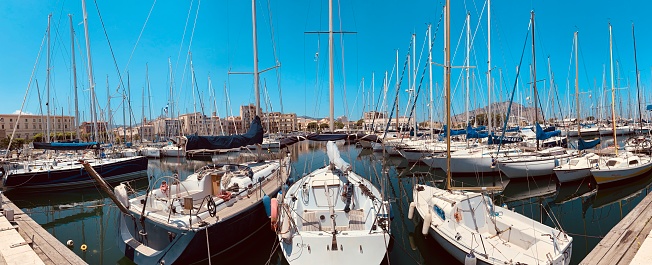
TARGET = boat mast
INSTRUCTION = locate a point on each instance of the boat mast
(430, 74)
(330, 67)
(577, 89)
(466, 67)
(489, 84)
(74, 75)
(47, 82)
(613, 93)
(534, 78)
(90, 72)
(149, 92)
(447, 88)
(638, 89)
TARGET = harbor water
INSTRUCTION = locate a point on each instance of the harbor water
(584, 211)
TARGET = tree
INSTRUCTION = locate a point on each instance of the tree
(339, 125)
(359, 123)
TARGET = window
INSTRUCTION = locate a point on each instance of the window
(34, 120)
(18, 127)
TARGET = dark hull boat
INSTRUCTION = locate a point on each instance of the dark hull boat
(71, 174)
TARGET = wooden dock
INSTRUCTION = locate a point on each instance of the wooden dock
(622, 243)
(24, 241)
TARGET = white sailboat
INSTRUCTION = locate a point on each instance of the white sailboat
(475, 231)
(578, 167)
(333, 215)
(624, 165)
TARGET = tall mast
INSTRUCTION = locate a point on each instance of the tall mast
(534, 78)
(91, 84)
(171, 101)
(398, 128)
(330, 67)
(149, 92)
(638, 89)
(74, 75)
(466, 66)
(47, 82)
(109, 116)
(430, 74)
(613, 92)
(256, 74)
(194, 101)
(414, 82)
(577, 89)
(489, 84)
(447, 88)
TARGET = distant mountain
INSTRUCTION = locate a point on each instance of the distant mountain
(308, 117)
(526, 113)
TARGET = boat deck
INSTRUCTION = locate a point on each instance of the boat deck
(622, 244)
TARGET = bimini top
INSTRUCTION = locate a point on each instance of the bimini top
(253, 136)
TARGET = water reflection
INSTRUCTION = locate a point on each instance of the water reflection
(585, 211)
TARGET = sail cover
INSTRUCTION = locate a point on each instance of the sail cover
(253, 136)
(321, 137)
(543, 135)
(65, 146)
(581, 144)
(475, 133)
(335, 158)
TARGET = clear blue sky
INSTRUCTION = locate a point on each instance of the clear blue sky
(222, 40)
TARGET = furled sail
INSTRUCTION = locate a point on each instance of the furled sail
(543, 135)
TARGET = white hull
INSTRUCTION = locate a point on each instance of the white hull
(151, 152)
(569, 175)
(461, 231)
(529, 168)
(365, 144)
(357, 231)
(607, 175)
(177, 152)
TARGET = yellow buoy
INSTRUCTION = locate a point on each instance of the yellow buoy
(83, 247)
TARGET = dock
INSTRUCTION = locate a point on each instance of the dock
(23, 241)
(623, 242)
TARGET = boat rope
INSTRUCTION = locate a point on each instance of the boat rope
(140, 35)
(208, 245)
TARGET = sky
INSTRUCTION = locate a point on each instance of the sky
(153, 40)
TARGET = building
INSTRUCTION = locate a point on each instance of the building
(165, 128)
(376, 121)
(247, 114)
(302, 124)
(30, 125)
(276, 122)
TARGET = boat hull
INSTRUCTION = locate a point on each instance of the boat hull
(610, 176)
(76, 177)
(192, 246)
(569, 175)
(530, 168)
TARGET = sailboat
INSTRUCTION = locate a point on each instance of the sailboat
(67, 173)
(212, 211)
(474, 230)
(626, 164)
(333, 215)
(540, 162)
(578, 167)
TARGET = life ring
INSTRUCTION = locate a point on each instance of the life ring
(83, 247)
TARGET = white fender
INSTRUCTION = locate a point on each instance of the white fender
(470, 259)
(411, 210)
(426, 224)
(286, 233)
(121, 193)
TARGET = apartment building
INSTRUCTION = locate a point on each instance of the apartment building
(30, 125)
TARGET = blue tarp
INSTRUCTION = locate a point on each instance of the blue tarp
(453, 132)
(475, 133)
(516, 129)
(253, 136)
(581, 144)
(65, 146)
(543, 135)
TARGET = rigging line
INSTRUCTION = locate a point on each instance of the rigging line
(518, 71)
(140, 35)
(183, 37)
(339, 16)
(192, 34)
(276, 60)
(29, 84)
(115, 62)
